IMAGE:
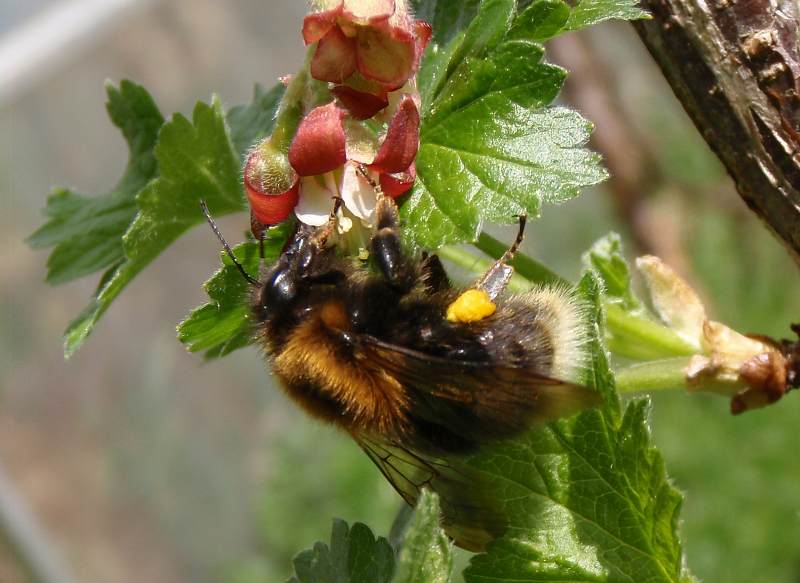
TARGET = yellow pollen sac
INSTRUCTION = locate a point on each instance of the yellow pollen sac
(471, 306)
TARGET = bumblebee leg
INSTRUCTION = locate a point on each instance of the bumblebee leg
(385, 244)
(477, 302)
(315, 267)
(495, 280)
(433, 275)
(311, 261)
(387, 250)
(326, 232)
(333, 218)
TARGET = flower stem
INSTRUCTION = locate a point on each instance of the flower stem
(290, 111)
(628, 334)
(638, 337)
(656, 375)
(302, 94)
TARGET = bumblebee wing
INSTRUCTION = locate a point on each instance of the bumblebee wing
(476, 401)
(469, 515)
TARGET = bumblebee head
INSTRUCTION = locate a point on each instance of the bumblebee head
(306, 261)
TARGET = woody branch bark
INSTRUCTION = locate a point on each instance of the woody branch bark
(734, 65)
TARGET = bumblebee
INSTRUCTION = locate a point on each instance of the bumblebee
(420, 373)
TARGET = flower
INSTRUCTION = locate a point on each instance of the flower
(320, 143)
(753, 371)
(377, 38)
(271, 184)
(370, 51)
(328, 149)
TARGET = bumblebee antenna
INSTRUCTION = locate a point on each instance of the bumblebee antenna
(251, 280)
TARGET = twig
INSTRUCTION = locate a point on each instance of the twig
(734, 65)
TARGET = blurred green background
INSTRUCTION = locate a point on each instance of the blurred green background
(141, 463)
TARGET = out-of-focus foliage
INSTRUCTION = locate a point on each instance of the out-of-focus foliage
(310, 466)
(353, 555)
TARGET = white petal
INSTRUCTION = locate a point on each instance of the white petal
(361, 143)
(315, 204)
(345, 224)
(358, 195)
(674, 300)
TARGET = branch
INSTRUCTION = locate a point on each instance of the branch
(734, 65)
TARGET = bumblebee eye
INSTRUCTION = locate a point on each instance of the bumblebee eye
(306, 258)
(279, 289)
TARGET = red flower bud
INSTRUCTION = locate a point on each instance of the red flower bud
(270, 183)
(335, 57)
(384, 58)
(359, 104)
(317, 24)
(319, 145)
(385, 43)
(398, 183)
(401, 143)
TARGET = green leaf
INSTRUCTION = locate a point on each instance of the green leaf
(172, 166)
(446, 18)
(587, 497)
(540, 21)
(223, 325)
(196, 162)
(354, 556)
(253, 122)
(606, 258)
(490, 148)
(588, 12)
(427, 554)
(494, 160)
(87, 231)
(486, 30)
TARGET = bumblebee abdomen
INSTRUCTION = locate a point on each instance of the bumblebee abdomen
(323, 371)
(544, 329)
